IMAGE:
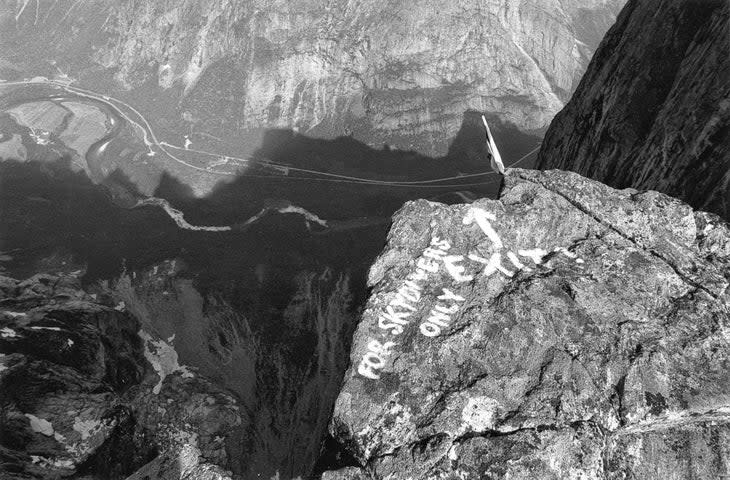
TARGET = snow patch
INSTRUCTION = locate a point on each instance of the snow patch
(453, 453)
(46, 462)
(163, 358)
(8, 333)
(55, 329)
(40, 425)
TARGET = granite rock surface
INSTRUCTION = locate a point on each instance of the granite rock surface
(653, 109)
(565, 330)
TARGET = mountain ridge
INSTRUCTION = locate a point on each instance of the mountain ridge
(381, 71)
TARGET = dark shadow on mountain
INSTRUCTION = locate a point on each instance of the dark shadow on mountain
(48, 210)
(469, 145)
(343, 154)
(122, 190)
(55, 219)
(336, 198)
(174, 190)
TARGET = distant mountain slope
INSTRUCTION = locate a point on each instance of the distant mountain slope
(653, 109)
(387, 71)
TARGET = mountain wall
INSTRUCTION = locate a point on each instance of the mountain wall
(285, 378)
(653, 109)
(86, 392)
(142, 381)
(383, 70)
(565, 330)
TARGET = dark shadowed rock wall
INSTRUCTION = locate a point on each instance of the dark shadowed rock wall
(86, 392)
(565, 330)
(653, 109)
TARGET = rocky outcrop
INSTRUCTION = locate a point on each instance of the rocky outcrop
(653, 109)
(565, 330)
(381, 69)
(85, 392)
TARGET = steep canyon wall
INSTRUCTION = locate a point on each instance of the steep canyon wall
(653, 110)
(388, 71)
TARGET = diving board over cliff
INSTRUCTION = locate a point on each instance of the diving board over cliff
(566, 330)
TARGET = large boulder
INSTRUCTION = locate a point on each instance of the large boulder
(565, 330)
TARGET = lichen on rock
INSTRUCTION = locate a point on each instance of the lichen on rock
(576, 331)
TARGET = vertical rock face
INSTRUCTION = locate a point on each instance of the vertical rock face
(653, 109)
(388, 71)
(565, 330)
(284, 371)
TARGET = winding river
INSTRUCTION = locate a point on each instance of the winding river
(74, 119)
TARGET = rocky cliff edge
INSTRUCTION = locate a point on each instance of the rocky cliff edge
(565, 330)
(653, 108)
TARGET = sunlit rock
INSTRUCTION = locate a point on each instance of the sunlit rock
(565, 330)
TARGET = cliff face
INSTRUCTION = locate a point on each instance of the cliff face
(565, 330)
(285, 378)
(653, 109)
(381, 69)
(86, 392)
